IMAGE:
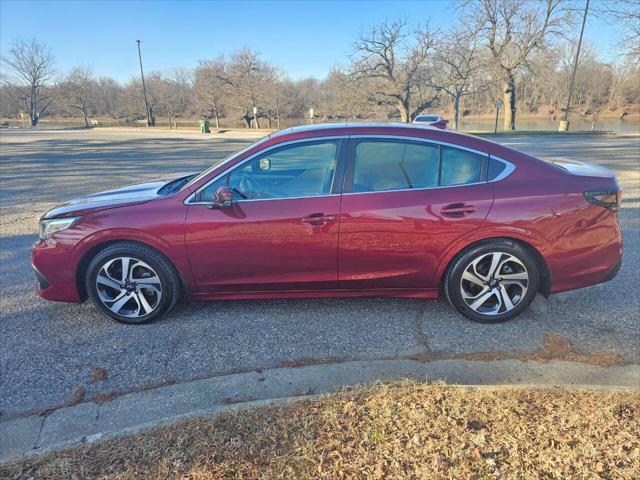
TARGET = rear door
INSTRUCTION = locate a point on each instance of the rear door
(404, 202)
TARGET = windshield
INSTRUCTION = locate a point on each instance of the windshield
(427, 119)
(200, 176)
(174, 185)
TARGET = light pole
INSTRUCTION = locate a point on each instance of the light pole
(144, 87)
(564, 125)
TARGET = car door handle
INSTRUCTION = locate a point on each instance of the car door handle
(457, 209)
(318, 219)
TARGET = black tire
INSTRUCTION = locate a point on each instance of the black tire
(454, 286)
(166, 294)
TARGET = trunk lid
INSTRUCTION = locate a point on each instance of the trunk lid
(583, 169)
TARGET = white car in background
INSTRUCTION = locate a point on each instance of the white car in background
(433, 120)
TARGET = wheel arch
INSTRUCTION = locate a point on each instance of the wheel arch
(89, 254)
(545, 275)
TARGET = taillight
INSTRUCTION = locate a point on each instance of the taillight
(609, 199)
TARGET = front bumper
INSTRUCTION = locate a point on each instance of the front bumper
(43, 283)
(55, 271)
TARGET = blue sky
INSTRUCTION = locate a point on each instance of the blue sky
(304, 38)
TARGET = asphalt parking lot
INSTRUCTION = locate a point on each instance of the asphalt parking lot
(55, 353)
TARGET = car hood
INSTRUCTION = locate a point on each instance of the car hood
(127, 195)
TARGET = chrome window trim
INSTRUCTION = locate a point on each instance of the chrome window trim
(421, 139)
(416, 189)
(510, 168)
(187, 201)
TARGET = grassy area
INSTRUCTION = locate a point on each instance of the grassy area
(400, 430)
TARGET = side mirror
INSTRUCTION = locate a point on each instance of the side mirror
(222, 198)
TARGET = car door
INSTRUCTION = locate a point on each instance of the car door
(281, 231)
(404, 202)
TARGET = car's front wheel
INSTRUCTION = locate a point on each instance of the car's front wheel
(493, 281)
(132, 283)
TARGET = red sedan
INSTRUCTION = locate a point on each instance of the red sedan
(341, 211)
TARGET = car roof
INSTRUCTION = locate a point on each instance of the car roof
(347, 125)
(396, 128)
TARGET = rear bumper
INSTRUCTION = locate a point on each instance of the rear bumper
(589, 257)
(614, 271)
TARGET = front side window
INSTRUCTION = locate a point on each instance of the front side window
(394, 165)
(296, 170)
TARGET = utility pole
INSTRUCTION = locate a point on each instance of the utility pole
(144, 87)
(573, 74)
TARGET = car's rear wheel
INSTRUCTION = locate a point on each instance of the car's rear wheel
(132, 283)
(492, 282)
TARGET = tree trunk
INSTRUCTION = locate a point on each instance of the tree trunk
(217, 118)
(403, 108)
(247, 120)
(456, 111)
(510, 103)
(86, 120)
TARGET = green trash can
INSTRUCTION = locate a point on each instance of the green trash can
(204, 126)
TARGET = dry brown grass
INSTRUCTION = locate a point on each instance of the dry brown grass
(400, 430)
(98, 375)
(553, 347)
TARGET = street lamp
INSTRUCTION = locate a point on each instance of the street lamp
(564, 124)
(144, 87)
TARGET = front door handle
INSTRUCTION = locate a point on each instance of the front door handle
(457, 209)
(318, 219)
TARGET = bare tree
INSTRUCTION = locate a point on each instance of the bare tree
(210, 88)
(78, 90)
(457, 66)
(246, 75)
(392, 63)
(512, 30)
(627, 12)
(32, 65)
(177, 92)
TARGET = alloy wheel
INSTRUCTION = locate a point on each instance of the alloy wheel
(494, 283)
(129, 287)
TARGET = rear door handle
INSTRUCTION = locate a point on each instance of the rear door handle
(318, 219)
(457, 209)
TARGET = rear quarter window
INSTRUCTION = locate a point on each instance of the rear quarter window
(460, 167)
(496, 167)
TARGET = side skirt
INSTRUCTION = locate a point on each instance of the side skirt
(387, 293)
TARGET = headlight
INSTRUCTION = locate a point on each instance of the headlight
(49, 227)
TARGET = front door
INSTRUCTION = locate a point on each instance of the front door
(281, 232)
(404, 203)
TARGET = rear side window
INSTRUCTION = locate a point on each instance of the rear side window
(381, 165)
(460, 167)
(394, 165)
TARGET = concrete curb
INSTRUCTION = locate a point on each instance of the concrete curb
(90, 422)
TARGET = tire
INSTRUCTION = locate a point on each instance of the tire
(148, 291)
(493, 281)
